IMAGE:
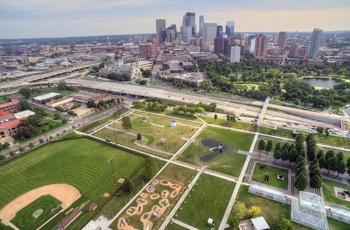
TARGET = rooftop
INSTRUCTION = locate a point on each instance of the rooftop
(46, 96)
(24, 114)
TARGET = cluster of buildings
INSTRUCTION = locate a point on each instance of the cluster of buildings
(10, 119)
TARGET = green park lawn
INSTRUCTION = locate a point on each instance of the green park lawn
(259, 175)
(279, 132)
(236, 125)
(166, 120)
(81, 163)
(329, 194)
(342, 142)
(207, 199)
(272, 210)
(153, 129)
(172, 226)
(24, 219)
(229, 162)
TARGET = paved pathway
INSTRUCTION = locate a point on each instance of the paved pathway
(238, 185)
(183, 224)
(181, 200)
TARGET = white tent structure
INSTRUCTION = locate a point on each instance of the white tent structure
(309, 210)
(267, 192)
(260, 223)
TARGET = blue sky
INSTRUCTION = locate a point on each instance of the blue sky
(61, 18)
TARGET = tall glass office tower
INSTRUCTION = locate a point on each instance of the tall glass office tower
(190, 19)
(315, 43)
(230, 28)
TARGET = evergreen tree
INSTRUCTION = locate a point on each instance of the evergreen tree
(261, 145)
(329, 154)
(320, 154)
(284, 155)
(315, 182)
(301, 182)
(128, 186)
(268, 146)
(323, 162)
(277, 154)
(332, 164)
(285, 146)
(341, 168)
(278, 147)
(150, 168)
(340, 156)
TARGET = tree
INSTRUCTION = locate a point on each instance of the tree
(128, 186)
(2, 157)
(215, 116)
(277, 154)
(326, 132)
(233, 221)
(341, 168)
(293, 155)
(126, 123)
(329, 154)
(254, 212)
(284, 155)
(41, 141)
(319, 154)
(21, 149)
(281, 224)
(319, 130)
(285, 146)
(268, 146)
(24, 105)
(340, 156)
(239, 210)
(315, 181)
(278, 146)
(332, 164)
(301, 182)
(150, 168)
(26, 92)
(323, 162)
(91, 104)
(261, 145)
(57, 116)
(311, 154)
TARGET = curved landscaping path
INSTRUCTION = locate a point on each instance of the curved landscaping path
(65, 193)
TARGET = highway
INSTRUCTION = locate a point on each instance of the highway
(301, 119)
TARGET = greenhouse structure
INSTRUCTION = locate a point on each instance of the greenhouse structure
(340, 214)
(268, 192)
(309, 210)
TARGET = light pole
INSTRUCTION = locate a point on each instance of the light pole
(56, 210)
(111, 162)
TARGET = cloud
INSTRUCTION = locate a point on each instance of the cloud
(49, 18)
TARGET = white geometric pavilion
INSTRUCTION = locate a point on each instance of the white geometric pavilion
(309, 210)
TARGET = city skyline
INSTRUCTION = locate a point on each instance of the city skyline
(39, 18)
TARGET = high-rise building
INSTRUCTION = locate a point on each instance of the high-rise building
(209, 34)
(293, 50)
(160, 26)
(190, 20)
(186, 33)
(260, 46)
(201, 25)
(170, 34)
(303, 51)
(219, 31)
(282, 37)
(230, 28)
(235, 54)
(315, 43)
(174, 27)
(220, 45)
(252, 45)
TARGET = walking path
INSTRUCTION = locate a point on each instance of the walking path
(183, 224)
(223, 224)
(181, 200)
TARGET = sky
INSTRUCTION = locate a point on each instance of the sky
(65, 18)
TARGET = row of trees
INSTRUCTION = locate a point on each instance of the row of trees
(184, 109)
(156, 106)
(333, 162)
(119, 77)
(267, 147)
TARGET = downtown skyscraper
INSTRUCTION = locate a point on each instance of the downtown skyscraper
(315, 43)
(189, 19)
(160, 26)
(230, 28)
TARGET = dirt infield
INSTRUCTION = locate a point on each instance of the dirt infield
(65, 193)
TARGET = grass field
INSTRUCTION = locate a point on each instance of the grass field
(172, 173)
(259, 175)
(279, 132)
(172, 226)
(81, 163)
(236, 125)
(24, 219)
(230, 162)
(329, 194)
(208, 199)
(342, 142)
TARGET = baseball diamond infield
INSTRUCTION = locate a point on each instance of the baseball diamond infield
(65, 193)
(212, 143)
